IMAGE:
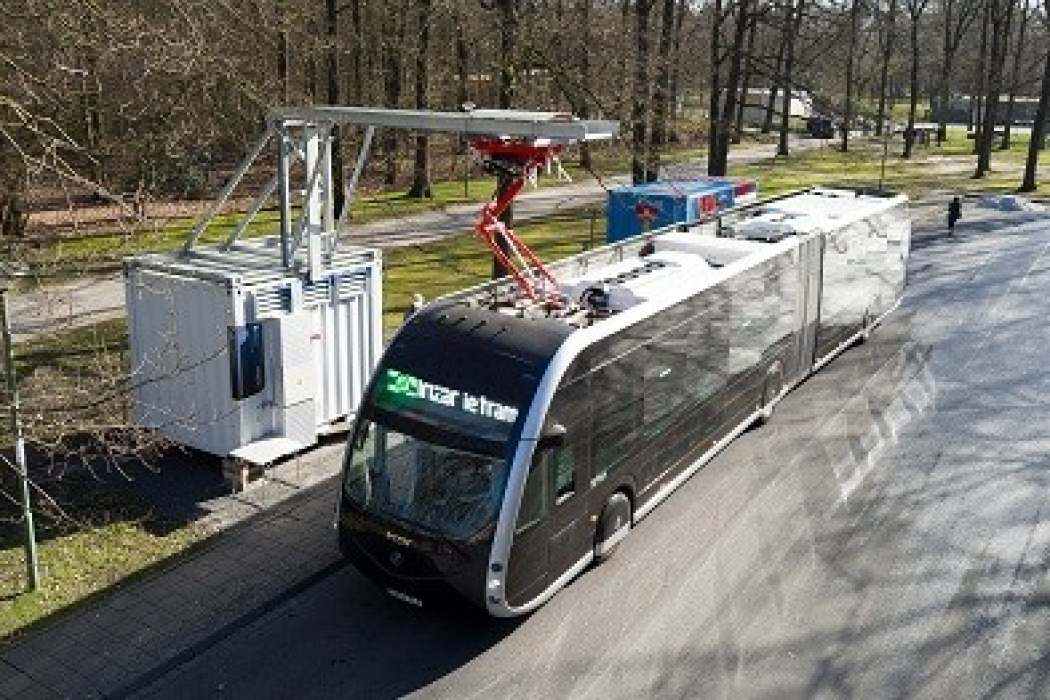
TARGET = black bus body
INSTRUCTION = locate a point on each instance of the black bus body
(503, 446)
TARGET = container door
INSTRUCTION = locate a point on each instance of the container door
(294, 378)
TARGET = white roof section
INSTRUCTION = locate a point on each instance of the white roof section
(249, 262)
(834, 205)
(662, 264)
(810, 211)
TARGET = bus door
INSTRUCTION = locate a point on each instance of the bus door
(571, 531)
(810, 274)
(553, 531)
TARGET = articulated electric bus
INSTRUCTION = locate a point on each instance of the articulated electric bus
(504, 445)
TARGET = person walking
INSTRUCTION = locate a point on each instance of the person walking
(954, 214)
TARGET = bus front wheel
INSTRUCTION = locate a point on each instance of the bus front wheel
(613, 525)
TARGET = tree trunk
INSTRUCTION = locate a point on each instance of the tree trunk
(732, 88)
(1042, 114)
(715, 163)
(462, 60)
(663, 77)
(959, 16)
(889, 31)
(641, 95)
(420, 188)
(508, 35)
(392, 45)
(745, 81)
(982, 73)
(1001, 22)
(676, 72)
(915, 10)
(847, 116)
(508, 32)
(1015, 78)
(282, 53)
(724, 96)
(944, 86)
(356, 68)
(332, 95)
(771, 98)
(623, 108)
(584, 111)
(793, 22)
(13, 218)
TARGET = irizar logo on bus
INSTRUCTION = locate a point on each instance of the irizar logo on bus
(405, 386)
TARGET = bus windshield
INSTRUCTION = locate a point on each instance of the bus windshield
(450, 492)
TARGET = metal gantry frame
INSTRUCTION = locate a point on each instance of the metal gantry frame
(307, 135)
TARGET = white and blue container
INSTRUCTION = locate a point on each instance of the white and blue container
(639, 208)
(239, 357)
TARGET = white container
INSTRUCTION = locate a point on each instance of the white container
(236, 356)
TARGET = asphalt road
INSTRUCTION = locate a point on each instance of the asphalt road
(885, 535)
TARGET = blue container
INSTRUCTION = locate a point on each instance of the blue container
(636, 209)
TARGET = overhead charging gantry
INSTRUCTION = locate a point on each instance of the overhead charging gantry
(513, 143)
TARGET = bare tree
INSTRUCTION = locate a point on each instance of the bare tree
(421, 169)
(641, 96)
(1015, 76)
(957, 16)
(1000, 17)
(794, 12)
(333, 95)
(1039, 127)
(674, 93)
(661, 92)
(726, 75)
(916, 9)
(887, 20)
(507, 13)
(393, 41)
(745, 81)
(851, 59)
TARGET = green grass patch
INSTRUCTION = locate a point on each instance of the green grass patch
(871, 161)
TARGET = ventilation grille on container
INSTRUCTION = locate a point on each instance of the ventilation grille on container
(352, 285)
(317, 293)
(271, 302)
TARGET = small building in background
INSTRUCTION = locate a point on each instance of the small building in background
(756, 106)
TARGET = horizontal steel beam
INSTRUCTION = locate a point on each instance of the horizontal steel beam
(479, 122)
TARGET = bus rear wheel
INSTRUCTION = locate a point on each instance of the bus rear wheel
(613, 526)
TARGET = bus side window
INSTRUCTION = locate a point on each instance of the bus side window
(616, 413)
(570, 408)
(534, 499)
(563, 473)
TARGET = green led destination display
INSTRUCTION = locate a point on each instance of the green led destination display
(399, 390)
